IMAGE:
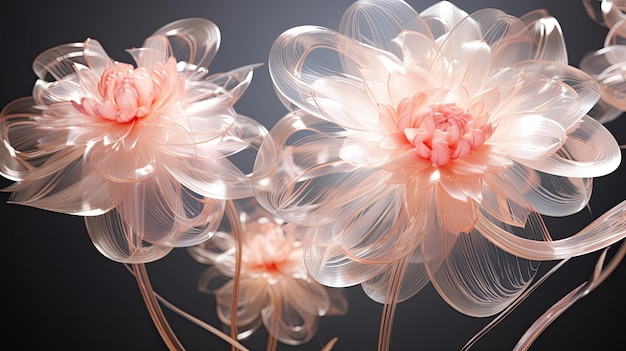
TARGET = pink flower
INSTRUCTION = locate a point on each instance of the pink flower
(141, 151)
(436, 139)
(274, 286)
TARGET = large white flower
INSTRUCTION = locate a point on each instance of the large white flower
(438, 139)
(141, 151)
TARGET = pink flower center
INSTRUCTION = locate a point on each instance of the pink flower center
(128, 93)
(269, 253)
(440, 132)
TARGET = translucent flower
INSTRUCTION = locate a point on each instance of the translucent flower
(274, 287)
(436, 139)
(141, 151)
(608, 64)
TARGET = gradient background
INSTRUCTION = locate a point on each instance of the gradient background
(61, 293)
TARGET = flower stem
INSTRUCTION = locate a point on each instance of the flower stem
(166, 332)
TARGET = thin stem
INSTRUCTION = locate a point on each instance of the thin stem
(233, 218)
(166, 332)
(391, 301)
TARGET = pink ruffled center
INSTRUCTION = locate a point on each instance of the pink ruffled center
(440, 132)
(269, 253)
(128, 93)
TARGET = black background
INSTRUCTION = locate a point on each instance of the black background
(61, 293)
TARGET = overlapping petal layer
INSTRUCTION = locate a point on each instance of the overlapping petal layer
(420, 137)
(141, 150)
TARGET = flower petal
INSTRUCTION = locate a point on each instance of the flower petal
(415, 278)
(603, 232)
(535, 137)
(163, 212)
(476, 277)
(590, 150)
(193, 40)
(299, 57)
(376, 23)
(118, 242)
(548, 41)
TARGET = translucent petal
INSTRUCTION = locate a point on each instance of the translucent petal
(123, 163)
(535, 137)
(219, 251)
(550, 89)
(590, 150)
(476, 277)
(376, 23)
(546, 193)
(233, 83)
(604, 231)
(302, 55)
(72, 190)
(617, 34)
(163, 212)
(420, 55)
(118, 242)
(288, 319)
(548, 41)
(58, 62)
(216, 178)
(504, 200)
(345, 103)
(442, 17)
(415, 278)
(469, 66)
(330, 267)
(608, 66)
(253, 297)
(194, 40)
(506, 35)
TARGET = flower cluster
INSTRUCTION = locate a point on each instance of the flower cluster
(417, 148)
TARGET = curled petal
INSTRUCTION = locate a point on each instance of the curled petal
(123, 163)
(118, 242)
(193, 40)
(442, 17)
(590, 150)
(58, 62)
(608, 66)
(376, 23)
(548, 41)
(535, 137)
(604, 231)
(294, 68)
(546, 193)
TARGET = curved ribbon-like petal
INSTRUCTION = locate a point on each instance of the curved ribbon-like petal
(193, 40)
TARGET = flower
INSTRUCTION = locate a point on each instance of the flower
(140, 151)
(429, 146)
(274, 286)
(608, 64)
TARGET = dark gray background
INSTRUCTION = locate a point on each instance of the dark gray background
(60, 293)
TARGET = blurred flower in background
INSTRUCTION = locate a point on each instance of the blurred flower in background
(274, 287)
(608, 64)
